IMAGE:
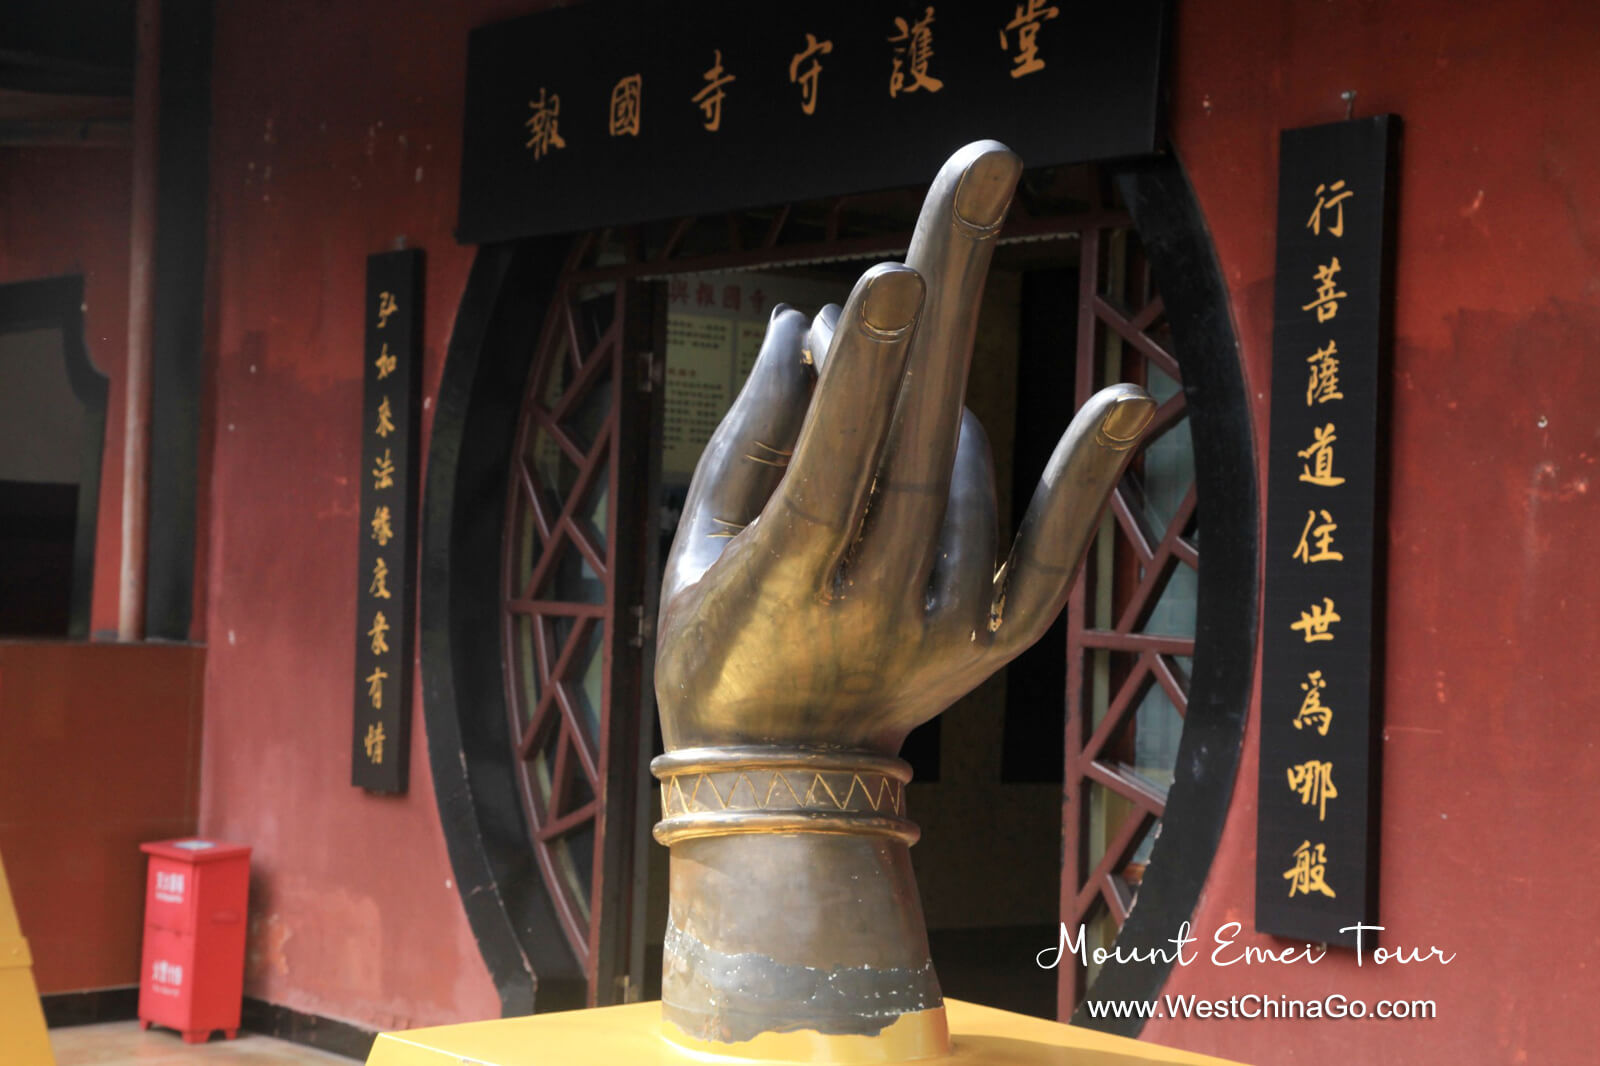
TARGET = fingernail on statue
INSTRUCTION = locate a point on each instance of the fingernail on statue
(985, 190)
(1125, 422)
(891, 301)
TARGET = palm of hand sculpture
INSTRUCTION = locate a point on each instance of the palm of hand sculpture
(833, 582)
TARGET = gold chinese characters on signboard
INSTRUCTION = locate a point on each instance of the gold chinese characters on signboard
(710, 97)
(374, 742)
(1310, 871)
(386, 307)
(1025, 26)
(627, 100)
(913, 51)
(910, 68)
(381, 526)
(543, 125)
(379, 589)
(384, 481)
(1311, 780)
(806, 75)
(379, 632)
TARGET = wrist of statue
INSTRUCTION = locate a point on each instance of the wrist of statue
(793, 903)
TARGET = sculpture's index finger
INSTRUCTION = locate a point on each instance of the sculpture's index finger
(823, 494)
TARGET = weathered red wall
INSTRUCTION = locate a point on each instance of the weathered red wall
(336, 134)
(1489, 826)
(66, 211)
(99, 751)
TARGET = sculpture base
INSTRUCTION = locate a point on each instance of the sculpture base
(631, 1035)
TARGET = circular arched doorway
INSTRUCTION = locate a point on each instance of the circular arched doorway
(521, 595)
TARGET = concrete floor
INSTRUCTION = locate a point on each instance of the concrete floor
(123, 1044)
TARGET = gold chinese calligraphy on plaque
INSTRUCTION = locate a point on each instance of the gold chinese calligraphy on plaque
(913, 52)
(710, 97)
(1316, 854)
(805, 70)
(726, 102)
(389, 367)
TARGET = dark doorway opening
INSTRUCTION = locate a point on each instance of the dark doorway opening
(52, 430)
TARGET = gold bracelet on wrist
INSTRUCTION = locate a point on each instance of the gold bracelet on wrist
(754, 789)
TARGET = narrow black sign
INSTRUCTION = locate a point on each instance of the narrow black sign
(391, 373)
(681, 108)
(1317, 821)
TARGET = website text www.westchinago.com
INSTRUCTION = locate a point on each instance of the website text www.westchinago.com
(1256, 1005)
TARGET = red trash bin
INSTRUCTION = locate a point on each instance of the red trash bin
(196, 892)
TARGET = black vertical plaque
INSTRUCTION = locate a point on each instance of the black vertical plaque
(391, 374)
(1317, 821)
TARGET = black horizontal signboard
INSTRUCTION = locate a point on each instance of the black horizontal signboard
(1316, 839)
(680, 108)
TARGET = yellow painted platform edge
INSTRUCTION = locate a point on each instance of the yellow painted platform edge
(631, 1035)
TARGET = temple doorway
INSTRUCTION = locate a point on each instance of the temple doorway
(596, 486)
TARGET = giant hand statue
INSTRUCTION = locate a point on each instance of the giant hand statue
(833, 584)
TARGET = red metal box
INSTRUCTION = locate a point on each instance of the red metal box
(192, 977)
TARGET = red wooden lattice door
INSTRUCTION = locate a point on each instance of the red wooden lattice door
(573, 608)
(1130, 620)
(576, 609)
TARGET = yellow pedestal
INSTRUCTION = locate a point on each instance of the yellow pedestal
(22, 1031)
(631, 1036)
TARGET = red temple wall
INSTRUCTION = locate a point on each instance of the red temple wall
(100, 752)
(1487, 827)
(337, 133)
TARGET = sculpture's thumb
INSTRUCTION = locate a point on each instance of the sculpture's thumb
(1033, 585)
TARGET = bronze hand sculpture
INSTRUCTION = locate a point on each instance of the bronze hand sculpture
(833, 584)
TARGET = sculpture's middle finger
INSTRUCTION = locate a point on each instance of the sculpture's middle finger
(951, 249)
